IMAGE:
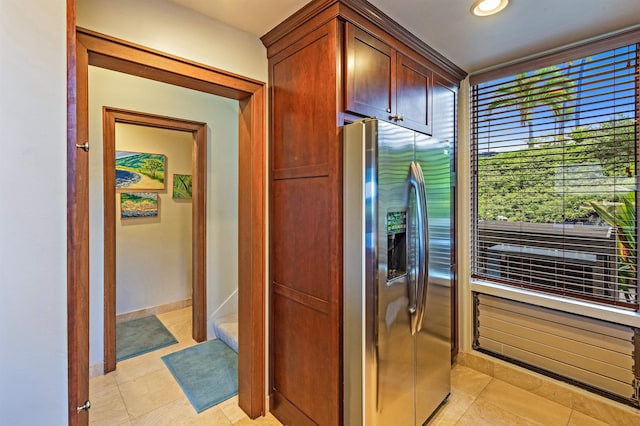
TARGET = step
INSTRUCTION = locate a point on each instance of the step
(226, 329)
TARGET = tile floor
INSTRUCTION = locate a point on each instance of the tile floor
(142, 391)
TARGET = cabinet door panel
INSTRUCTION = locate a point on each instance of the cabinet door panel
(413, 94)
(370, 75)
(303, 103)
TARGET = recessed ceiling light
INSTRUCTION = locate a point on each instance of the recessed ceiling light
(488, 7)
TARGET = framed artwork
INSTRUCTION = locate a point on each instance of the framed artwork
(138, 171)
(182, 186)
(138, 204)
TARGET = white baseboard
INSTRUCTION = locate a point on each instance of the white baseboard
(96, 370)
(153, 310)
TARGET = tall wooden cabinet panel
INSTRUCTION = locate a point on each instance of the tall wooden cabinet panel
(332, 60)
(304, 228)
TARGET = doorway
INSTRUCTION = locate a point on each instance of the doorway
(111, 117)
(89, 48)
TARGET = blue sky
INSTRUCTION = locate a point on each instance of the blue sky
(593, 77)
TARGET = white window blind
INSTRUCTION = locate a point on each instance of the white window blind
(554, 162)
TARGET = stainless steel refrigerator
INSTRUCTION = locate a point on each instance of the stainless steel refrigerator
(397, 274)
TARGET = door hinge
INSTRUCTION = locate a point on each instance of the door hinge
(84, 146)
(85, 407)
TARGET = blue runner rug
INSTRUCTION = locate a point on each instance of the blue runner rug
(142, 335)
(207, 373)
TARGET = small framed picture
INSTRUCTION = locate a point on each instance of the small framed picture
(182, 186)
(138, 204)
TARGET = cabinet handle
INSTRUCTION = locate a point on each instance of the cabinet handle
(397, 117)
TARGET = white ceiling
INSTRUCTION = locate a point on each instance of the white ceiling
(525, 27)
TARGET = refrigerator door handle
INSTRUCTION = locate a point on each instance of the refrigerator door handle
(416, 306)
(424, 260)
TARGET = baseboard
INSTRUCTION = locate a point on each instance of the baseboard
(153, 310)
(96, 370)
(570, 396)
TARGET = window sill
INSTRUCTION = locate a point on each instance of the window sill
(578, 307)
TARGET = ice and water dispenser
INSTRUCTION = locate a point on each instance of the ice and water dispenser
(396, 244)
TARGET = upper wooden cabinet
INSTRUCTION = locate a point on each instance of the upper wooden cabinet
(370, 75)
(414, 84)
(383, 82)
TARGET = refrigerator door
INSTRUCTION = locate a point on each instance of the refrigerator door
(395, 378)
(433, 342)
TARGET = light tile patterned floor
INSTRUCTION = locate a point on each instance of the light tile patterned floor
(142, 391)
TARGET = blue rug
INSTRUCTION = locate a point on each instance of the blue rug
(207, 373)
(142, 335)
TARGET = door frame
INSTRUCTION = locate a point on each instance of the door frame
(77, 232)
(111, 116)
(118, 55)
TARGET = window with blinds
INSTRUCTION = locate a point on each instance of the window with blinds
(554, 162)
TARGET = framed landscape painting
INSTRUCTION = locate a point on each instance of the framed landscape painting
(138, 204)
(137, 171)
(182, 185)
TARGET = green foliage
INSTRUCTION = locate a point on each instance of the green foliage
(523, 185)
(622, 217)
(615, 148)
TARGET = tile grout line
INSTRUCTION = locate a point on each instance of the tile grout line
(475, 399)
(129, 417)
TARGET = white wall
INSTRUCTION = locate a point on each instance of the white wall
(465, 299)
(170, 28)
(114, 89)
(33, 296)
(153, 254)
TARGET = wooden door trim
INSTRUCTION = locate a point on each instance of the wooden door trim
(119, 55)
(77, 226)
(111, 116)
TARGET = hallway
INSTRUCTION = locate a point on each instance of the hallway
(142, 391)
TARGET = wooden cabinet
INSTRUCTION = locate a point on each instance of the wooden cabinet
(370, 75)
(325, 69)
(385, 83)
(414, 85)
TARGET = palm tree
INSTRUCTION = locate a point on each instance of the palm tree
(560, 90)
(545, 87)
